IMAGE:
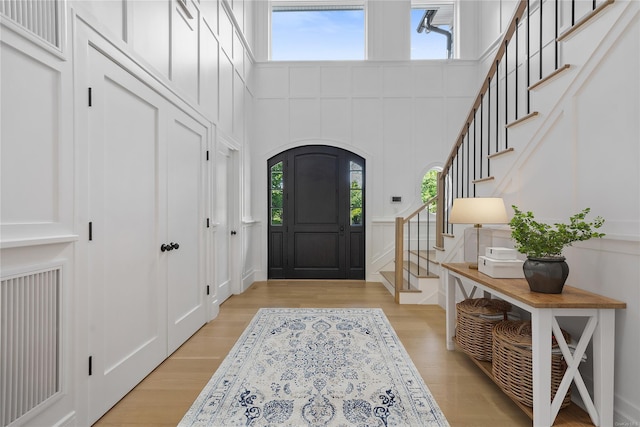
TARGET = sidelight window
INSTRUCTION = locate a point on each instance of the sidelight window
(355, 193)
(275, 194)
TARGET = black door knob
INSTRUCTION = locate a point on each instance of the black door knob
(233, 233)
(174, 245)
(165, 248)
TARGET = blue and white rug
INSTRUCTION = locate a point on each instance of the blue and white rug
(316, 367)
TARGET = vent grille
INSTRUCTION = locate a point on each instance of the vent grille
(29, 341)
(41, 17)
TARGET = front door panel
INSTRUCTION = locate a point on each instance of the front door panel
(312, 233)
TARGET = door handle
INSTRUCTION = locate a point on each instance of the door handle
(233, 232)
(171, 246)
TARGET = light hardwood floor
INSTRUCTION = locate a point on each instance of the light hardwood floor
(465, 395)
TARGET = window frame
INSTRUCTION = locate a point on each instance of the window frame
(453, 27)
(316, 5)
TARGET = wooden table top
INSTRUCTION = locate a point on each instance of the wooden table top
(518, 289)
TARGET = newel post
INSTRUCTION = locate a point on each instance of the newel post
(440, 211)
(399, 276)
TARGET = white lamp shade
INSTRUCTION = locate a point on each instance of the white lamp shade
(478, 210)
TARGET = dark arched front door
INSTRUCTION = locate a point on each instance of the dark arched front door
(316, 214)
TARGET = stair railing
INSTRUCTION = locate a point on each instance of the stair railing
(413, 236)
(503, 100)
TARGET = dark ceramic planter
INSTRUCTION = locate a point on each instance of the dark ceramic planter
(546, 275)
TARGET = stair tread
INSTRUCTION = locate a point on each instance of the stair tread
(391, 278)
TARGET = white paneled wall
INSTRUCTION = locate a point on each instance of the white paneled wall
(200, 65)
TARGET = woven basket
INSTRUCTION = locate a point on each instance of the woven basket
(512, 368)
(473, 331)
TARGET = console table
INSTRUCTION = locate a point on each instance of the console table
(545, 308)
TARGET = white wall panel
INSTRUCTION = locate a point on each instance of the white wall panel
(238, 55)
(489, 22)
(335, 81)
(304, 119)
(150, 36)
(335, 119)
(396, 81)
(226, 93)
(31, 102)
(427, 79)
(272, 122)
(428, 134)
(366, 81)
(225, 32)
(456, 110)
(238, 108)
(610, 149)
(238, 7)
(459, 81)
(304, 82)
(184, 52)
(209, 10)
(552, 158)
(366, 119)
(272, 82)
(209, 75)
(397, 151)
(111, 14)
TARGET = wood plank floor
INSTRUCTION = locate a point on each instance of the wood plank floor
(465, 395)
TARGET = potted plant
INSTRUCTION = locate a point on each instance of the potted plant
(545, 268)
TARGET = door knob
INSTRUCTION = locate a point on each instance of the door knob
(233, 233)
(174, 245)
(165, 248)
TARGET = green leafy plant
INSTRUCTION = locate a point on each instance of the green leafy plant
(539, 240)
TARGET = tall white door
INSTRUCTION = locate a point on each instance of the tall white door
(186, 148)
(127, 307)
(224, 191)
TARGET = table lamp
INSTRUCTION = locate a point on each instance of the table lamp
(478, 211)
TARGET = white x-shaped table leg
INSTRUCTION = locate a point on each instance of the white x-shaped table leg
(572, 373)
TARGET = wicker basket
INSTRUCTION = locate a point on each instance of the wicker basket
(512, 368)
(476, 318)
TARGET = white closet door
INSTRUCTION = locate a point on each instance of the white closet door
(127, 294)
(186, 225)
(224, 166)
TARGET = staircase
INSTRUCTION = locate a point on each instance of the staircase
(416, 278)
(538, 66)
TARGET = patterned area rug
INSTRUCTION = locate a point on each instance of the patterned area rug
(316, 367)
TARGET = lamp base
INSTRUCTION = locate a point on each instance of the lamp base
(473, 266)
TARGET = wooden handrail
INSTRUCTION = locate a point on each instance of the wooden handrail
(420, 209)
(506, 37)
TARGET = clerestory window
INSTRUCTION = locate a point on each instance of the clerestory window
(432, 30)
(315, 33)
